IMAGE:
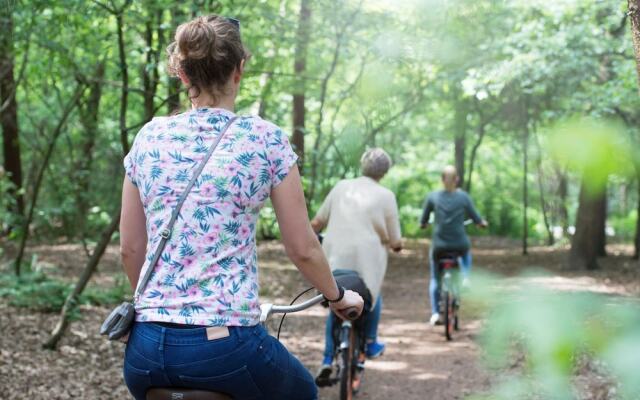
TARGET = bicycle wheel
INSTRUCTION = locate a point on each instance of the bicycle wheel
(448, 314)
(346, 368)
(456, 318)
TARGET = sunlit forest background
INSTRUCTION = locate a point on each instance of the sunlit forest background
(534, 101)
(483, 85)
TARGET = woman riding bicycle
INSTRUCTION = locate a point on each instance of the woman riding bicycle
(451, 207)
(361, 217)
(197, 321)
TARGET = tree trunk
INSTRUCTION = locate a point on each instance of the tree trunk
(588, 239)
(173, 83)
(634, 16)
(525, 189)
(299, 67)
(72, 299)
(460, 140)
(148, 82)
(315, 151)
(601, 222)
(9, 106)
(459, 150)
(40, 175)
(82, 170)
(105, 239)
(543, 203)
(474, 153)
(563, 190)
(636, 242)
(124, 75)
(150, 76)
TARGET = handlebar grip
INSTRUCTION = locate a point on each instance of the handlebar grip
(351, 313)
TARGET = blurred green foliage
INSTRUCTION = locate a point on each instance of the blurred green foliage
(545, 333)
(597, 149)
(38, 291)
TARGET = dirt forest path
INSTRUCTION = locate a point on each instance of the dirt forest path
(418, 364)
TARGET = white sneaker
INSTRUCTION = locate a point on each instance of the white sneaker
(435, 318)
(466, 284)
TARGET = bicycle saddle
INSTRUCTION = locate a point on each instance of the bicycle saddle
(184, 394)
(447, 255)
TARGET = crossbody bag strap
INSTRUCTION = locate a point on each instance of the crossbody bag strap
(165, 234)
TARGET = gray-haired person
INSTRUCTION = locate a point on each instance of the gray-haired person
(361, 220)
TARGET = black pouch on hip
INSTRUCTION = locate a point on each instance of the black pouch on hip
(119, 322)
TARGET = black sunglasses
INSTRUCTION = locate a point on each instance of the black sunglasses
(234, 22)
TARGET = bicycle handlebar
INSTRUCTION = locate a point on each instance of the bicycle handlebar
(267, 309)
(298, 307)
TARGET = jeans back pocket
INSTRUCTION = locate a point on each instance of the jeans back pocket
(239, 384)
(137, 380)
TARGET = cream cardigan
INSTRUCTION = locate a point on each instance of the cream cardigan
(361, 218)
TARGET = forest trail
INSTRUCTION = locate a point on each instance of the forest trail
(418, 363)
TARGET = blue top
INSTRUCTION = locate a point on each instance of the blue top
(450, 209)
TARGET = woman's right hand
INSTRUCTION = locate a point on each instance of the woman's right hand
(350, 300)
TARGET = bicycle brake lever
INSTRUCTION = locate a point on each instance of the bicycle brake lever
(265, 312)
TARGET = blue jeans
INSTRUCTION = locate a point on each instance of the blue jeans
(370, 328)
(434, 284)
(248, 364)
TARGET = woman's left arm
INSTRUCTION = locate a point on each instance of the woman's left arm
(133, 232)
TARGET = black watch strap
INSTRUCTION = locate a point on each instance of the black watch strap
(340, 295)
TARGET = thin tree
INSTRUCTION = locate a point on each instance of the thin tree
(173, 83)
(461, 110)
(481, 130)
(299, 68)
(543, 203)
(525, 182)
(66, 112)
(341, 31)
(72, 299)
(89, 110)
(92, 264)
(634, 16)
(9, 109)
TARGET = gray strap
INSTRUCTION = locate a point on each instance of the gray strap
(165, 234)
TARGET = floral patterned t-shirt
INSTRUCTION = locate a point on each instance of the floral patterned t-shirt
(207, 273)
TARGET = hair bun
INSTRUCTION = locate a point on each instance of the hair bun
(197, 42)
(206, 50)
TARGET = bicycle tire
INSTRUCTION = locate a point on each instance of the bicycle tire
(448, 314)
(346, 370)
(357, 359)
(456, 318)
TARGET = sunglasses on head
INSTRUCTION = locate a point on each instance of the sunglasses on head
(234, 22)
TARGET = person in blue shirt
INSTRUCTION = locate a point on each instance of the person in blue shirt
(450, 206)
